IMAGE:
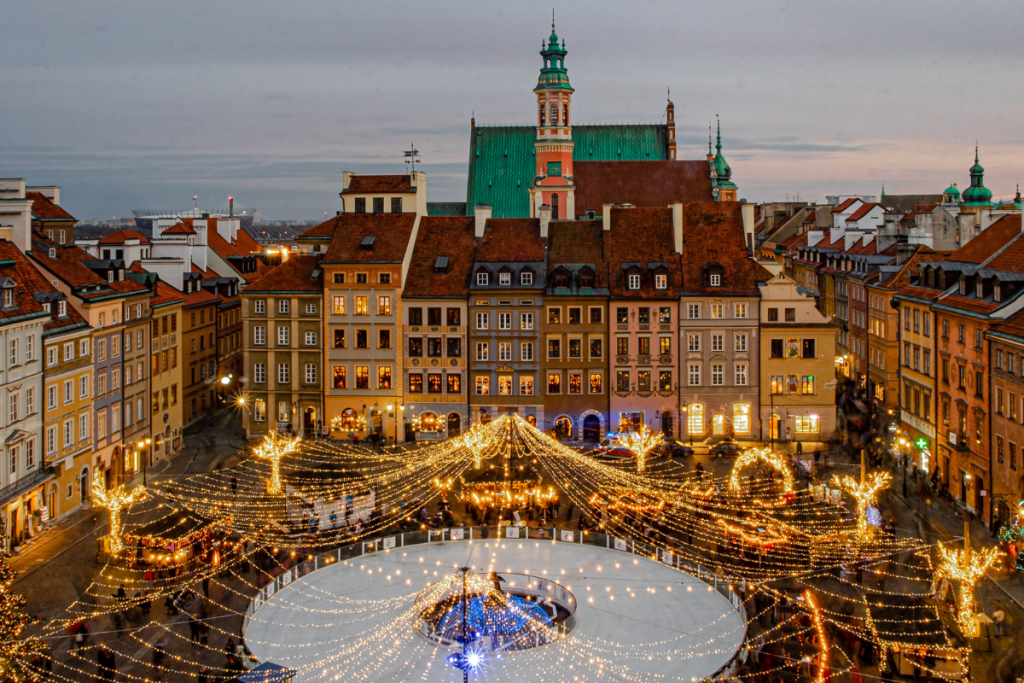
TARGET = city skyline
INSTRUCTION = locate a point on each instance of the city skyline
(272, 110)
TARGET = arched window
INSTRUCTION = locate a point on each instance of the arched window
(554, 114)
(348, 419)
(554, 207)
(542, 119)
(565, 114)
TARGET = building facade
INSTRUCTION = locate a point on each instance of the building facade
(199, 329)
(165, 371)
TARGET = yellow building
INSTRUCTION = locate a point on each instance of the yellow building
(165, 377)
(67, 408)
(798, 347)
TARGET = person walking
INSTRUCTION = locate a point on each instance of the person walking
(999, 617)
(193, 627)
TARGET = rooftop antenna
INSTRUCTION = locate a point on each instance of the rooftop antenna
(552, 18)
(411, 157)
(195, 201)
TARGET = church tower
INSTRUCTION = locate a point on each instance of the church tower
(553, 184)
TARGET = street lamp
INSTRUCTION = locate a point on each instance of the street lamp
(395, 416)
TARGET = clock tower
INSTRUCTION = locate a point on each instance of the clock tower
(553, 183)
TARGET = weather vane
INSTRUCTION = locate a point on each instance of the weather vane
(411, 157)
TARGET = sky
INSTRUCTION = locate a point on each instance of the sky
(143, 105)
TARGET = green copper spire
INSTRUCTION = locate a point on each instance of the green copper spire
(553, 74)
(722, 170)
(977, 194)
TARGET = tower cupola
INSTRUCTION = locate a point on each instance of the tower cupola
(977, 194)
(553, 185)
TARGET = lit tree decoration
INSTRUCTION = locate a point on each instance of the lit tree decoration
(864, 492)
(14, 649)
(751, 456)
(274, 449)
(641, 443)
(476, 441)
(967, 568)
(1011, 534)
(115, 500)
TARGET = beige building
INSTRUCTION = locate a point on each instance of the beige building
(798, 347)
(165, 370)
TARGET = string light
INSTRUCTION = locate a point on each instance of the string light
(767, 456)
(115, 501)
(273, 449)
(966, 567)
(864, 492)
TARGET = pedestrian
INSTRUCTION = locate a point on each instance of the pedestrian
(206, 586)
(203, 676)
(229, 647)
(999, 617)
(193, 627)
(234, 485)
(158, 661)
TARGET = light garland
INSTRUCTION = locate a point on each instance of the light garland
(767, 456)
(864, 493)
(642, 442)
(966, 567)
(115, 501)
(273, 449)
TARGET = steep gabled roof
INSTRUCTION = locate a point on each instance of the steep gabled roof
(450, 237)
(14, 266)
(122, 236)
(244, 245)
(861, 211)
(391, 230)
(578, 242)
(641, 237)
(640, 183)
(847, 203)
(901, 278)
(69, 265)
(362, 184)
(713, 234)
(985, 244)
(45, 210)
(301, 273)
(510, 240)
(179, 229)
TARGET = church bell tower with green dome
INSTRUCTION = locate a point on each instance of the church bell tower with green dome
(977, 195)
(553, 184)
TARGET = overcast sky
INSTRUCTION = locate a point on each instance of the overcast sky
(144, 104)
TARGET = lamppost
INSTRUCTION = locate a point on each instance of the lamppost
(143, 445)
(396, 416)
(903, 443)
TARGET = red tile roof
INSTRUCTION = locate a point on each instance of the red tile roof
(179, 229)
(448, 236)
(640, 183)
(510, 240)
(165, 294)
(244, 245)
(69, 266)
(391, 230)
(27, 281)
(325, 229)
(971, 305)
(987, 243)
(122, 236)
(578, 242)
(844, 206)
(920, 292)
(911, 215)
(294, 275)
(909, 269)
(861, 211)
(643, 236)
(1012, 257)
(44, 209)
(794, 241)
(1013, 325)
(362, 184)
(713, 234)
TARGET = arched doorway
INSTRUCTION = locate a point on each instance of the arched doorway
(428, 422)
(309, 420)
(83, 485)
(454, 425)
(348, 420)
(532, 419)
(563, 428)
(774, 426)
(51, 502)
(668, 424)
(591, 428)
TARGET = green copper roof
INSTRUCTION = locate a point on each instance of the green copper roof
(446, 208)
(952, 190)
(977, 194)
(553, 74)
(502, 159)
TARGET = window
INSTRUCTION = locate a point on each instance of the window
(622, 346)
(504, 351)
(115, 419)
(643, 380)
(999, 401)
(717, 374)
(717, 341)
(69, 393)
(259, 306)
(634, 282)
(977, 338)
(282, 305)
(362, 339)
(807, 385)
(384, 339)
(283, 336)
(481, 351)
(717, 310)
(695, 418)
(283, 409)
(773, 315)
(716, 280)
(805, 424)
(741, 374)
(1012, 413)
(362, 377)
(961, 334)
(664, 345)
(740, 310)
(694, 374)
(454, 383)
(575, 316)
(433, 316)
(665, 315)
(115, 379)
(504, 278)
(340, 379)
(809, 349)
(504, 321)
(260, 372)
(644, 314)
(554, 348)
(526, 351)
(622, 380)
(454, 347)
(644, 346)
(283, 373)
(311, 339)
(525, 278)
(384, 377)
(740, 342)
(963, 376)
(926, 367)
(979, 383)
(660, 282)
(665, 380)
(483, 385)
(481, 279)
(596, 347)
(526, 321)
(741, 418)
(383, 305)
(311, 309)
(339, 339)
(454, 316)
(693, 342)
(378, 205)
(51, 397)
(361, 278)
(362, 306)
(51, 439)
(526, 385)
(416, 316)
(1013, 456)
(339, 305)
(622, 315)
(554, 315)
(595, 383)
(310, 373)
(693, 311)
(482, 321)
(927, 322)
(259, 334)
(778, 385)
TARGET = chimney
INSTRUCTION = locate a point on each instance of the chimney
(677, 226)
(606, 216)
(544, 213)
(51, 192)
(346, 179)
(231, 207)
(482, 212)
(747, 211)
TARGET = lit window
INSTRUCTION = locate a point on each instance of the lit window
(806, 424)
(695, 418)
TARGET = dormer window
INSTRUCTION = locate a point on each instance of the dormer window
(963, 286)
(716, 280)
(110, 276)
(481, 279)
(505, 278)
(978, 289)
(660, 281)
(526, 277)
(441, 264)
(560, 278)
(633, 281)
(367, 243)
(120, 274)
(53, 252)
(8, 298)
(586, 279)
(62, 309)
(996, 292)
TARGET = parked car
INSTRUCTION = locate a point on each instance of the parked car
(726, 449)
(673, 448)
(611, 448)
